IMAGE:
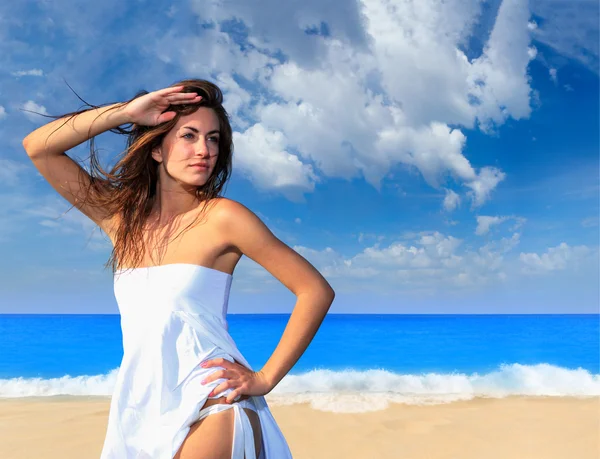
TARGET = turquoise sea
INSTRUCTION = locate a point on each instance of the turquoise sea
(354, 357)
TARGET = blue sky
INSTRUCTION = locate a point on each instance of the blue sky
(425, 158)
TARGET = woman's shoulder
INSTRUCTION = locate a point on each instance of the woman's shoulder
(230, 214)
(225, 207)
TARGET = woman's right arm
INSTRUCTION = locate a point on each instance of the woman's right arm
(46, 146)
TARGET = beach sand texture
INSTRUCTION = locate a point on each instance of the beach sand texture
(483, 428)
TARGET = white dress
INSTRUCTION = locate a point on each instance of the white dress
(172, 319)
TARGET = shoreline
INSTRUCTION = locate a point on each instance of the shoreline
(516, 426)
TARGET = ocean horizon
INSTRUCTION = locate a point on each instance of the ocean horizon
(353, 360)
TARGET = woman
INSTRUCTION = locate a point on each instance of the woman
(176, 243)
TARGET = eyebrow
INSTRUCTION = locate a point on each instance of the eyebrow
(214, 131)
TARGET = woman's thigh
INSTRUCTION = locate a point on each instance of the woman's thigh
(212, 437)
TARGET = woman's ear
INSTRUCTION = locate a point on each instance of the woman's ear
(157, 154)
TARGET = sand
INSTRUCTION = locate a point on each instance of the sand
(514, 427)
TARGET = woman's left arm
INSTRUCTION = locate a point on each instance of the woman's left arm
(314, 294)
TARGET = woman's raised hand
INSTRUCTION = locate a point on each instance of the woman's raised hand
(148, 109)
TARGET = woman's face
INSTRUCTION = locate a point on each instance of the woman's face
(189, 151)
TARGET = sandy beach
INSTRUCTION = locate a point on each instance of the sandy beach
(514, 427)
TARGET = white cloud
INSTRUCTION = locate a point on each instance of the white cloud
(381, 89)
(429, 262)
(214, 49)
(235, 99)
(553, 75)
(2, 112)
(499, 79)
(57, 215)
(21, 214)
(11, 172)
(484, 223)
(570, 28)
(262, 155)
(282, 25)
(33, 72)
(451, 201)
(31, 106)
(519, 221)
(482, 186)
(383, 84)
(554, 259)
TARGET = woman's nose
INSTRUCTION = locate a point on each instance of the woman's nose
(202, 148)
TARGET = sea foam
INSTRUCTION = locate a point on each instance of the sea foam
(361, 391)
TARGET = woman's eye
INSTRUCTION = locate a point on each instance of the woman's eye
(184, 135)
(215, 139)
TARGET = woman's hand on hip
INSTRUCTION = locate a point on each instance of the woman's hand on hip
(239, 378)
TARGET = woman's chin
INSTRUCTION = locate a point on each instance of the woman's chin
(191, 185)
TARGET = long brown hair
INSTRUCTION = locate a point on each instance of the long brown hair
(128, 190)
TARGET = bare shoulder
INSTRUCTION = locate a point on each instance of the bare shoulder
(232, 217)
(244, 230)
(235, 220)
(225, 208)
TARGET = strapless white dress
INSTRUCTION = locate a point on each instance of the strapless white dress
(173, 317)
